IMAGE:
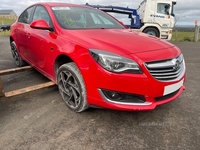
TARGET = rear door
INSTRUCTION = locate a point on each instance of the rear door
(21, 32)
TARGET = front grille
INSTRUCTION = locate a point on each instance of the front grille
(167, 70)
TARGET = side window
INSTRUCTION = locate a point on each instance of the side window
(163, 8)
(41, 13)
(25, 17)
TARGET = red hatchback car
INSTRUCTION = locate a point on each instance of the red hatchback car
(95, 60)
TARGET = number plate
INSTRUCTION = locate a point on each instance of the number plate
(172, 88)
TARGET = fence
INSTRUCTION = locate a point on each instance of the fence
(186, 34)
(8, 17)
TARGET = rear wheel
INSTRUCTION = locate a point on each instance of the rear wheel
(18, 60)
(151, 31)
(72, 87)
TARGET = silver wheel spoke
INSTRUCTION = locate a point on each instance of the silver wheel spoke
(62, 83)
(16, 57)
(15, 54)
(74, 94)
(70, 102)
(69, 88)
(64, 91)
(62, 78)
(77, 101)
(75, 86)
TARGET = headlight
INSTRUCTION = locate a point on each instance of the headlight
(180, 58)
(115, 63)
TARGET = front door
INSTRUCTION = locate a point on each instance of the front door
(162, 14)
(39, 42)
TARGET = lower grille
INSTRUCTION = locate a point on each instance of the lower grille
(167, 70)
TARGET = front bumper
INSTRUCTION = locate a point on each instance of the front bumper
(166, 34)
(148, 105)
(155, 92)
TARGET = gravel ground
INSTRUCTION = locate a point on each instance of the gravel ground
(40, 120)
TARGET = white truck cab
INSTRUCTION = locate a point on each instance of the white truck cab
(157, 17)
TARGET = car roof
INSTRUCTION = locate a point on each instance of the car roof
(51, 4)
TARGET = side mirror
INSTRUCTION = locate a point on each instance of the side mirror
(40, 24)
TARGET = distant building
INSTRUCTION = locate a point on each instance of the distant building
(9, 14)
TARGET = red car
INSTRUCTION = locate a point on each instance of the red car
(95, 60)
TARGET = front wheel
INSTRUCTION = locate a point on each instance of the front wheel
(71, 87)
(152, 31)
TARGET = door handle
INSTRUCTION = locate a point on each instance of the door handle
(28, 35)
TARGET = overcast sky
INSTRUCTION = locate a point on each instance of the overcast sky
(187, 11)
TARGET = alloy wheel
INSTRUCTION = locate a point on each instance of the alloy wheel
(69, 89)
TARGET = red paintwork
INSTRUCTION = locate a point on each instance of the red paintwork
(43, 47)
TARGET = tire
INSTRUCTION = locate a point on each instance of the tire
(72, 87)
(18, 60)
(152, 31)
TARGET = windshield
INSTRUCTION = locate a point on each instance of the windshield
(163, 8)
(84, 18)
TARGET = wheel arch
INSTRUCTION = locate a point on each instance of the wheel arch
(152, 28)
(60, 60)
(155, 26)
(11, 39)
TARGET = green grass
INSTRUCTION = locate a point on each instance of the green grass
(182, 36)
(6, 21)
(4, 33)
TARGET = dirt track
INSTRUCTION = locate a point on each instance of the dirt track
(40, 120)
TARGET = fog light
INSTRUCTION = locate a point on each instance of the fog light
(113, 95)
(122, 97)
